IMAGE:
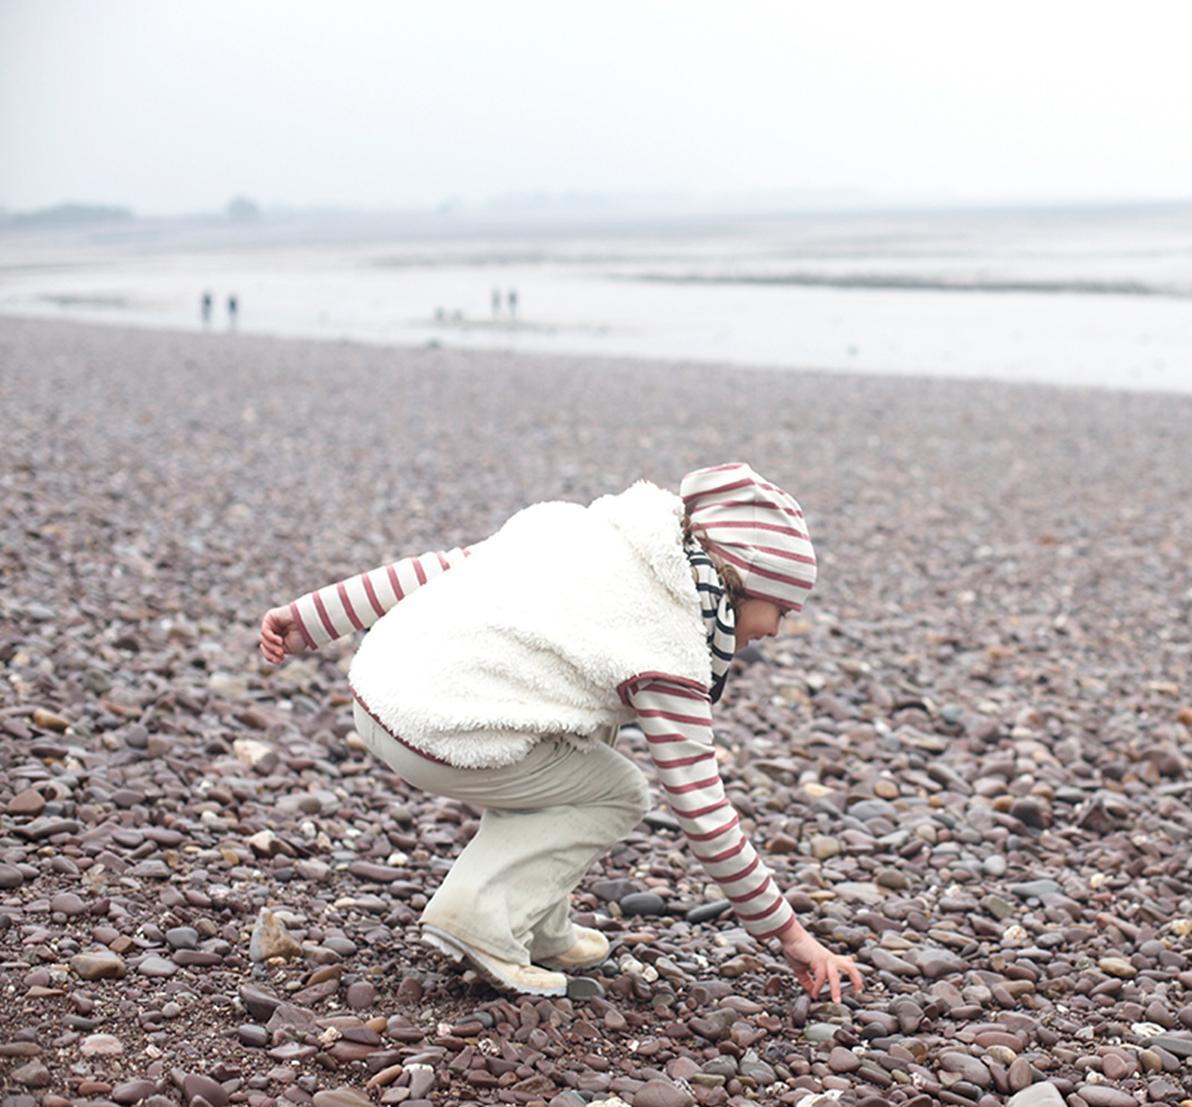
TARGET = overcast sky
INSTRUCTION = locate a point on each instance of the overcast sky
(168, 106)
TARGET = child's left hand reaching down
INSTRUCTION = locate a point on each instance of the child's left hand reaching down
(280, 635)
(815, 965)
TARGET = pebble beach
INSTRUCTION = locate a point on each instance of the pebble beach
(969, 764)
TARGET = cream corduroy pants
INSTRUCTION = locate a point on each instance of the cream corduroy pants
(545, 820)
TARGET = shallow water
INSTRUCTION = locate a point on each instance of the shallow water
(1099, 297)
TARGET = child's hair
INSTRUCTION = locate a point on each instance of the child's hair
(728, 574)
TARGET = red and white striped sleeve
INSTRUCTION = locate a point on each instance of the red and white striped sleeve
(676, 717)
(358, 602)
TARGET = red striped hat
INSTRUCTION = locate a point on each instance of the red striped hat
(755, 527)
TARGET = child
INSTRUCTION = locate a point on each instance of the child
(498, 675)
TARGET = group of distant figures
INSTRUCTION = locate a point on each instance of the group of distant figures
(455, 315)
(207, 303)
(510, 299)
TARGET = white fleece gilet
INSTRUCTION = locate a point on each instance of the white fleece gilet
(535, 632)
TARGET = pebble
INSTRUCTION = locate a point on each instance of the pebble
(971, 1068)
(642, 903)
(360, 994)
(1180, 1047)
(133, 1091)
(371, 871)
(68, 903)
(342, 1097)
(1033, 889)
(1044, 1094)
(10, 876)
(1117, 966)
(183, 937)
(271, 939)
(101, 1045)
(824, 846)
(251, 1034)
(156, 966)
(98, 965)
(843, 1060)
(934, 962)
(32, 1075)
(1100, 1095)
(196, 1084)
(706, 912)
(584, 987)
(29, 802)
(661, 1093)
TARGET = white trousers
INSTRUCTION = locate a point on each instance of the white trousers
(546, 819)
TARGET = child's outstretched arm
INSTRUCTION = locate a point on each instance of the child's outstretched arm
(677, 720)
(334, 610)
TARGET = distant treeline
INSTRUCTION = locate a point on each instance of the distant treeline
(62, 215)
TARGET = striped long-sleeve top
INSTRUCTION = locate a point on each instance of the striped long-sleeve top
(674, 715)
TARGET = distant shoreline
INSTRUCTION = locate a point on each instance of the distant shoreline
(564, 360)
(897, 282)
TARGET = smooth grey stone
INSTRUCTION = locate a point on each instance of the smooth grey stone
(250, 1034)
(704, 912)
(1100, 1095)
(68, 903)
(257, 1002)
(157, 966)
(642, 903)
(1044, 1094)
(584, 987)
(608, 890)
(375, 872)
(968, 1066)
(1033, 888)
(933, 961)
(46, 827)
(998, 906)
(346, 1097)
(133, 1091)
(872, 809)
(360, 994)
(660, 820)
(183, 937)
(10, 876)
(195, 1084)
(1181, 1047)
(151, 869)
(761, 1071)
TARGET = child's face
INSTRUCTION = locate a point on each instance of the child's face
(757, 619)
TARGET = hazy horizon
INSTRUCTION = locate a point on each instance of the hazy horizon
(533, 205)
(382, 107)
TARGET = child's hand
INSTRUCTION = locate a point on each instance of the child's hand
(280, 635)
(814, 964)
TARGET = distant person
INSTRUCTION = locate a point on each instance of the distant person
(233, 308)
(513, 303)
(496, 302)
(206, 309)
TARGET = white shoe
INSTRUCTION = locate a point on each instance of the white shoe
(591, 948)
(506, 975)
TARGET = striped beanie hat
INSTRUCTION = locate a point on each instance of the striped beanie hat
(755, 527)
